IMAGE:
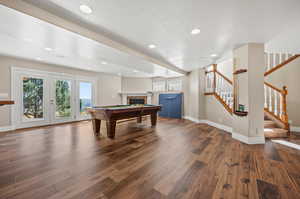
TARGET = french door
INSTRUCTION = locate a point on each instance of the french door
(48, 98)
(62, 100)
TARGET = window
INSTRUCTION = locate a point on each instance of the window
(85, 96)
(159, 85)
(33, 97)
(163, 85)
(174, 84)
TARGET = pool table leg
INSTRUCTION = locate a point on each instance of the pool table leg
(153, 119)
(139, 119)
(96, 126)
(111, 128)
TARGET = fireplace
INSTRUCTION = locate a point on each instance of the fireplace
(136, 99)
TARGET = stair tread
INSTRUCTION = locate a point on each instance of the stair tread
(270, 124)
(275, 132)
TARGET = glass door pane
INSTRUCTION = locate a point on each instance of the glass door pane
(63, 108)
(33, 98)
(85, 97)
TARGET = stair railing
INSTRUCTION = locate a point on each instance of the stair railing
(276, 103)
(220, 86)
(275, 61)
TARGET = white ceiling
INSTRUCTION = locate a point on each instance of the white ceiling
(27, 37)
(138, 23)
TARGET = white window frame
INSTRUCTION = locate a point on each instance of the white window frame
(160, 80)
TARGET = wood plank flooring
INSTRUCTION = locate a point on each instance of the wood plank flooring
(176, 159)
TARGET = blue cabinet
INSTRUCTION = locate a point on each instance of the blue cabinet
(171, 105)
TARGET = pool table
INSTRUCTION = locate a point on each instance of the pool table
(118, 112)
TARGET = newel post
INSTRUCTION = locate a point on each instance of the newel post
(284, 106)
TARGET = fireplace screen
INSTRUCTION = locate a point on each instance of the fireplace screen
(136, 100)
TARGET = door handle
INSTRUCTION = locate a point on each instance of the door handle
(51, 101)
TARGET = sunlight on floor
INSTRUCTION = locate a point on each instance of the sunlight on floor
(286, 143)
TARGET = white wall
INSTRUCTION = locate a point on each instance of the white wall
(109, 90)
(108, 85)
(134, 85)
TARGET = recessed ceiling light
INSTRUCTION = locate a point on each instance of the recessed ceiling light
(120, 74)
(135, 71)
(104, 62)
(152, 46)
(38, 58)
(85, 9)
(213, 55)
(48, 49)
(195, 31)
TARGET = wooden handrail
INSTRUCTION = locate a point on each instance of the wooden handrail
(6, 102)
(281, 64)
(275, 88)
(223, 103)
(223, 76)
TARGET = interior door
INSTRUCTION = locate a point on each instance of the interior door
(62, 100)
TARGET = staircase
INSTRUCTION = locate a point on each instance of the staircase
(219, 86)
(275, 106)
(276, 118)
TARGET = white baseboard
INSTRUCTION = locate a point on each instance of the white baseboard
(237, 136)
(248, 140)
(216, 125)
(295, 128)
(7, 128)
(219, 126)
(192, 119)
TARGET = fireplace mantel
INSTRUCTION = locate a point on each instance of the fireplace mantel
(124, 96)
(137, 93)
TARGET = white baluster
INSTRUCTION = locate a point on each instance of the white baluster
(274, 60)
(286, 56)
(280, 58)
(218, 83)
(270, 99)
(266, 97)
(208, 86)
(208, 82)
(222, 86)
(268, 61)
(275, 103)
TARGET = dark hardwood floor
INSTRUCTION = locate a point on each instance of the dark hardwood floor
(177, 159)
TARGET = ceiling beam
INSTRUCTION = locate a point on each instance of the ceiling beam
(44, 15)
